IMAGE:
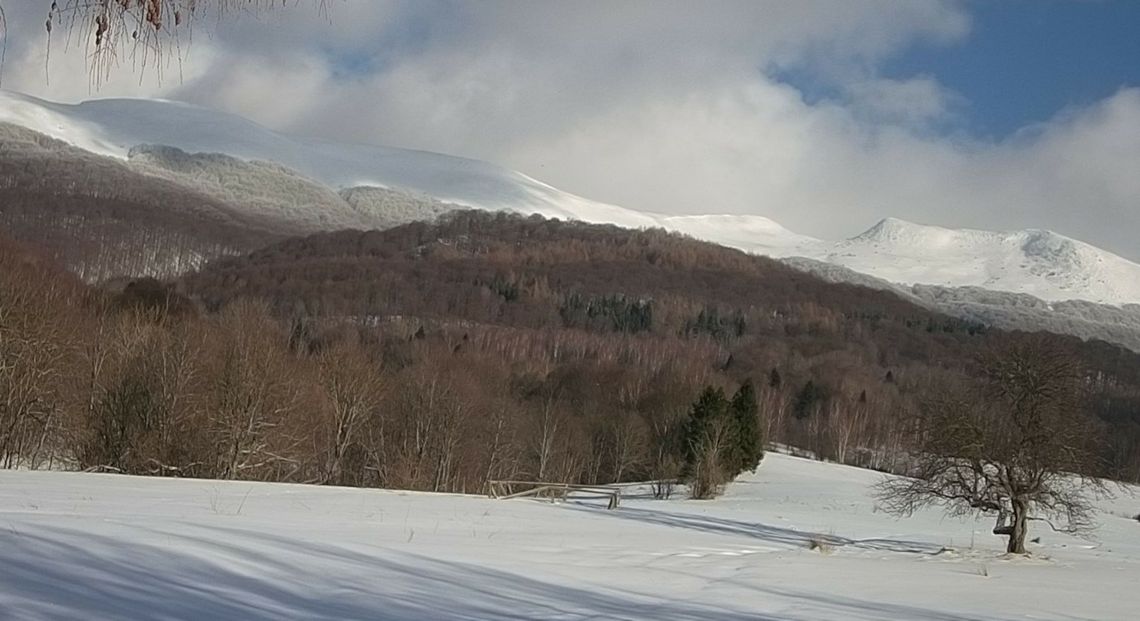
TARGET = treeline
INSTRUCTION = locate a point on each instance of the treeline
(439, 356)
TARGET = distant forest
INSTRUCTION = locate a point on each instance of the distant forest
(438, 356)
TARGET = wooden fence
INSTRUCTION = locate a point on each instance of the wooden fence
(506, 490)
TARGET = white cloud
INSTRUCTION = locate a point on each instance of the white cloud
(917, 102)
(669, 106)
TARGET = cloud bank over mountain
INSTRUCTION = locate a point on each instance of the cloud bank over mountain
(777, 109)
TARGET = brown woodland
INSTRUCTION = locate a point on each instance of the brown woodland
(440, 356)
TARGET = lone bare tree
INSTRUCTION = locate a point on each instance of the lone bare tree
(1021, 447)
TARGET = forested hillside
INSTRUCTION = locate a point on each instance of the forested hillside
(439, 356)
(102, 219)
(163, 212)
(649, 314)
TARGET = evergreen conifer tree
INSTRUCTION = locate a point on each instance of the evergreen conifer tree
(806, 400)
(749, 439)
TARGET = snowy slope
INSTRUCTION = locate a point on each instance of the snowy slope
(83, 546)
(1040, 263)
(114, 126)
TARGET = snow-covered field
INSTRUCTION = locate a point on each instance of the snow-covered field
(83, 546)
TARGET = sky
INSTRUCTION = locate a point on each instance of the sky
(825, 116)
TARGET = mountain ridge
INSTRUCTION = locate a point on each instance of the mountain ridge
(1047, 265)
(1039, 262)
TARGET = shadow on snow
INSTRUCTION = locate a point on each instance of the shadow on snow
(757, 530)
(60, 573)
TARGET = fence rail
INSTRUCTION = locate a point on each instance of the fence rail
(507, 490)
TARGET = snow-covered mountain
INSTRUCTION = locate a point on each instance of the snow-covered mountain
(116, 127)
(1036, 262)
(1039, 263)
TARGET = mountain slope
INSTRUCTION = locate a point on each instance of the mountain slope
(1039, 263)
(114, 127)
(101, 218)
(1000, 309)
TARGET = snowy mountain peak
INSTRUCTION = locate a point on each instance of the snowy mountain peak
(888, 228)
(1037, 246)
(898, 231)
(1038, 262)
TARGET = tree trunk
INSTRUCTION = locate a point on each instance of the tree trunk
(1020, 527)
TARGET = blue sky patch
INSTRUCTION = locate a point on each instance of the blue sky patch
(1026, 60)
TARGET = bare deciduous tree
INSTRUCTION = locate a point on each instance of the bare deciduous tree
(708, 438)
(546, 435)
(351, 383)
(707, 472)
(36, 345)
(253, 395)
(848, 418)
(1020, 448)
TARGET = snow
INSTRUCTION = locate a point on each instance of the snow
(87, 546)
(1040, 263)
(113, 127)
(1043, 264)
